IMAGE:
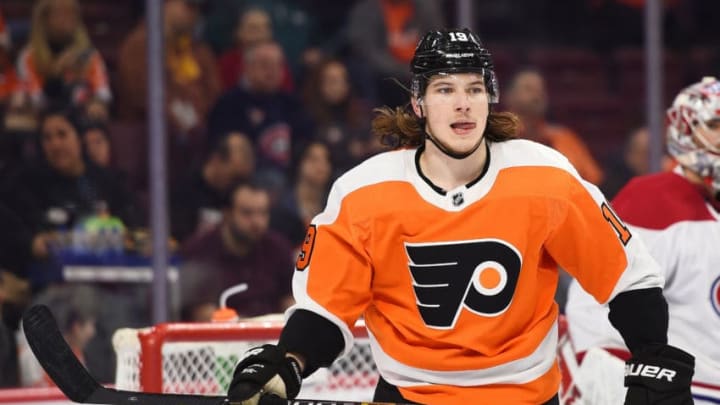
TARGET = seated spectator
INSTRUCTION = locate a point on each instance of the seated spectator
(258, 107)
(383, 35)
(59, 65)
(253, 27)
(241, 249)
(74, 308)
(198, 200)
(96, 143)
(98, 148)
(341, 119)
(311, 176)
(59, 191)
(634, 160)
(528, 98)
(192, 82)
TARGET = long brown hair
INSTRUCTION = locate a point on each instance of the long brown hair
(354, 112)
(400, 127)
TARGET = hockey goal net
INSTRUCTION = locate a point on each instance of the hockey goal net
(199, 358)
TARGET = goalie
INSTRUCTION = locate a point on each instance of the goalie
(677, 214)
(449, 247)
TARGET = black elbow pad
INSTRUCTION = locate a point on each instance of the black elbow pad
(641, 317)
(315, 338)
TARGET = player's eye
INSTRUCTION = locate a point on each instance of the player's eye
(713, 124)
(477, 90)
(445, 90)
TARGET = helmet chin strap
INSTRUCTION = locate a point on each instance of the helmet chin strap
(444, 149)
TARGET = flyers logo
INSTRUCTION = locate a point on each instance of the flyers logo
(478, 275)
(306, 249)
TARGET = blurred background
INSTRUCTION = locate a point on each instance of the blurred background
(263, 104)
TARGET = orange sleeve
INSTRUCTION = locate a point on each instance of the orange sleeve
(587, 240)
(333, 272)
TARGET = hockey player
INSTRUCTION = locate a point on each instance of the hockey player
(449, 248)
(678, 216)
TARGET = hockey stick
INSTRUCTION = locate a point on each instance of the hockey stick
(71, 377)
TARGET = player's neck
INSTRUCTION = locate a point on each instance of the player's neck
(449, 173)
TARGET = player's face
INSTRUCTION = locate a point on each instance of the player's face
(456, 108)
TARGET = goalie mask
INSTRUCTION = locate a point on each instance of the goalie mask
(452, 51)
(693, 134)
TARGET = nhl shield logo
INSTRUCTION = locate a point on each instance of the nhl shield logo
(458, 199)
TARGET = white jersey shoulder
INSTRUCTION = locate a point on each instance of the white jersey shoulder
(386, 166)
(523, 152)
(383, 167)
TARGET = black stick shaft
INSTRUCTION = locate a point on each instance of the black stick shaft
(71, 377)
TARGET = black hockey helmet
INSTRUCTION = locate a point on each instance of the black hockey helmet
(452, 51)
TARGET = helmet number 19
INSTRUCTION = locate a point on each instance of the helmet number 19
(458, 36)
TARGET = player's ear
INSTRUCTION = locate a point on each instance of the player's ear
(417, 106)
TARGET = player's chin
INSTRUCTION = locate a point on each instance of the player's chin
(463, 148)
(465, 143)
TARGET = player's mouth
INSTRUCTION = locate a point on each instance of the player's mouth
(463, 127)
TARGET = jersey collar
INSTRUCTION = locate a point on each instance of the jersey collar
(439, 189)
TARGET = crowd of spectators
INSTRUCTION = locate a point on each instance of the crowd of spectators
(267, 102)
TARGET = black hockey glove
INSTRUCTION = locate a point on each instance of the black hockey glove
(659, 375)
(264, 370)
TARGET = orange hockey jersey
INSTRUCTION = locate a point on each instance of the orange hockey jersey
(457, 288)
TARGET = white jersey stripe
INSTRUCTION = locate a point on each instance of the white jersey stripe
(519, 371)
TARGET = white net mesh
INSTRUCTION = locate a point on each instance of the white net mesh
(200, 359)
(200, 363)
